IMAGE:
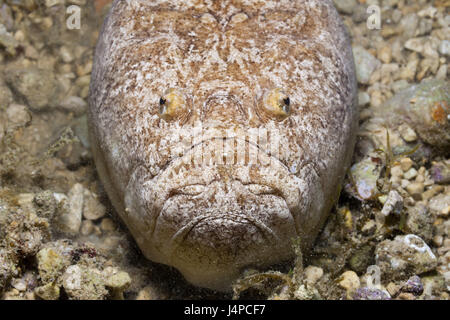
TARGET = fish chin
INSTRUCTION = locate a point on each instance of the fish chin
(212, 232)
(212, 222)
(212, 245)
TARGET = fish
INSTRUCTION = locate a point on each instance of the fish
(222, 130)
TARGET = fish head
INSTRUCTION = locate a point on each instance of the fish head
(232, 130)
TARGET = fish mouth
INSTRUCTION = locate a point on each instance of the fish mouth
(180, 236)
(195, 190)
(235, 220)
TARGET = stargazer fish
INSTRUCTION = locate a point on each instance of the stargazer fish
(222, 130)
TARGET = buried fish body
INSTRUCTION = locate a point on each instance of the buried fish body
(221, 130)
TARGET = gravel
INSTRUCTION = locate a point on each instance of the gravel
(59, 237)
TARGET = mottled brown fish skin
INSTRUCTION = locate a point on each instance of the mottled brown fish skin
(226, 62)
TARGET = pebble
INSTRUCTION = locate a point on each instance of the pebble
(385, 54)
(87, 227)
(408, 25)
(366, 293)
(429, 12)
(107, 225)
(369, 227)
(345, 6)
(312, 274)
(407, 133)
(441, 74)
(365, 175)
(51, 3)
(408, 73)
(419, 221)
(85, 69)
(410, 174)
(304, 293)
(49, 291)
(406, 296)
(425, 27)
(406, 164)
(363, 98)
(423, 108)
(118, 282)
(440, 172)
(415, 189)
(359, 14)
(349, 280)
(19, 284)
(6, 96)
(51, 262)
(440, 204)
(444, 47)
(112, 243)
(430, 193)
(365, 63)
(35, 86)
(70, 218)
(424, 45)
(404, 256)
(84, 283)
(361, 259)
(83, 81)
(74, 104)
(18, 115)
(392, 288)
(413, 285)
(393, 204)
(397, 171)
(438, 240)
(66, 54)
(93, 209)
(399, 85)
(45, 204)
(8, 41)
(147, 293)
(377, 136)
(404, 183)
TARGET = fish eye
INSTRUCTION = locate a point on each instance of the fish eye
(286, 105)
(171, 105)
(277, 104)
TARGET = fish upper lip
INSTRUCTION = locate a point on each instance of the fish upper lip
(176, 192)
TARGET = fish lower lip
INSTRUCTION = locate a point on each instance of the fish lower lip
(182, 233)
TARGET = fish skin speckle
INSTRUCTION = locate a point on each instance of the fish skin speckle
(163, 69)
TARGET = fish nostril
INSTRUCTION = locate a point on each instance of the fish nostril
(224, 108)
